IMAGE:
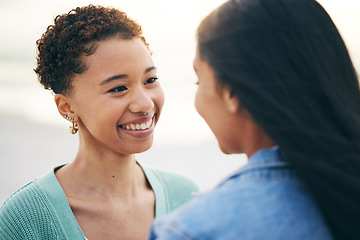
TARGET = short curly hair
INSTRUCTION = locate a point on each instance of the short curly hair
(73, 35)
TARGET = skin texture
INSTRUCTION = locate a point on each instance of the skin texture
(106, 189)
(234, 129)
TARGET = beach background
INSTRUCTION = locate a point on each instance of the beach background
(34, 137)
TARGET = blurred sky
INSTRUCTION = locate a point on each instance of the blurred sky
(30, 145)
(169, 27)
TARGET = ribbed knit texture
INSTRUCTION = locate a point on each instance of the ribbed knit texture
(28, 211)
(178, 189)
(37, 211)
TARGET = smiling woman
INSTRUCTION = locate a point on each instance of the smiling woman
(98, 64)
(115, 90)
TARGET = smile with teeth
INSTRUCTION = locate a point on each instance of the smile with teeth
(138, 126)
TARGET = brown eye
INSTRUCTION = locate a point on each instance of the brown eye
(150, 80)
(118, 89)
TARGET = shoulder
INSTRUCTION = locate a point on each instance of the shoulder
(26, 212)
(33, 191)
(23, 197)
(18, 211)
(251, 209)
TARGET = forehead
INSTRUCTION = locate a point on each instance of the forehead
(201, 66)
(120, 52)
(197, 57)
(114, 57)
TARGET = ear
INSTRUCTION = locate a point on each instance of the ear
(63, 105)
(231, 101)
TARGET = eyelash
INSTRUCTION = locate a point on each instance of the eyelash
(124, 88)
(118, 89)
(151, 80)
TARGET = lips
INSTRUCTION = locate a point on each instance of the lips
(139, 128)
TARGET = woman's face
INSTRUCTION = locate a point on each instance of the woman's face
(111, 97)
(211, 104)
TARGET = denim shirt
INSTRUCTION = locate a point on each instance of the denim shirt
(262, 200)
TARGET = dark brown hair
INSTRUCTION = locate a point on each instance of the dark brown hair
(289, 67)
(73, 35)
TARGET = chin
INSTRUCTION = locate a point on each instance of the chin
(143, 148)
(225, 150)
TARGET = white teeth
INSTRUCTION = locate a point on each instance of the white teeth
(148, 124)
(138, 126)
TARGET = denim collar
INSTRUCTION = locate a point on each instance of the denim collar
(262, 159)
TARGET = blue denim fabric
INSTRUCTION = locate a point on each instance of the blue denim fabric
(262, 200)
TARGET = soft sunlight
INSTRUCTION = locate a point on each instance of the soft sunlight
(183, 141)
(169, 28)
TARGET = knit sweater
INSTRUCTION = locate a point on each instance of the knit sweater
(40, 210)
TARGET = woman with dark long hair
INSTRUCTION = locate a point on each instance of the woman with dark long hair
(276, 82)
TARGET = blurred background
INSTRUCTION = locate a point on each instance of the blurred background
(34, 137)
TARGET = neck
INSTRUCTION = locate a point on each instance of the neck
(256, 139)
(101, 174)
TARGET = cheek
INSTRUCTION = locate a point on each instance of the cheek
(214, 116)
(110, 108)
(159, 98)
(204, 104)
(198, 101)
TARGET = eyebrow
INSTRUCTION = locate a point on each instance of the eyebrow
(110, 79)
(149, 69)
(122, 76)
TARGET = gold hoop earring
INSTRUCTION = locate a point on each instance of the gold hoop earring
(74, 128)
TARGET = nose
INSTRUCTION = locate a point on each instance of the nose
(141, 101)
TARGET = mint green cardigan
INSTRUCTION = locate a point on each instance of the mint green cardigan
(40, 209)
